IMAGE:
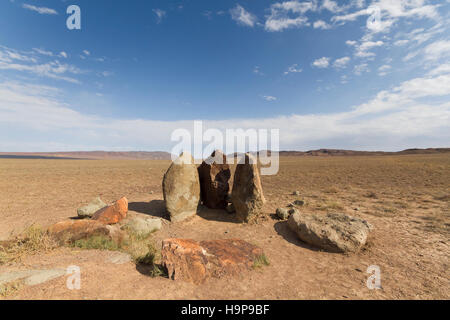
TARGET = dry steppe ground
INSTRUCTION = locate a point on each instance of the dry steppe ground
(406, 198)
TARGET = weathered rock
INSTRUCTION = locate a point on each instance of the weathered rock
(293, 211)
(282, 213)
(247, 194)
(296, 193)
(332, 232)
(72, 230)
(112, 214)
(195, 262)
(181, 188)
(214, 174)
(143, 226)
(91, 208)
(297, 203)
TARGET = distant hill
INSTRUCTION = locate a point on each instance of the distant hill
(338, 152)
(92, 155)
(161, 155)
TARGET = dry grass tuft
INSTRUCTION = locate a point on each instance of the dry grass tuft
(33, 240)
(10, 288)
(261, 261)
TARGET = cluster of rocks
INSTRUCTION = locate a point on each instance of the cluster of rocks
(185, 187)
(95, 219)
(99, 219)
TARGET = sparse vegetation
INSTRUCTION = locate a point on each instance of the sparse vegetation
(261, 261)
(140, 247)
(330, 205)
(10, 288)
(97, 242)
(33, 240)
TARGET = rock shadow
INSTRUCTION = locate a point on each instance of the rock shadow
(153, 271)
(283, 230)
(220, 215)
(154, 208)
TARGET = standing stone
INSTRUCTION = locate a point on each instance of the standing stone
(181, 188)
(214, 174)
(247, 194)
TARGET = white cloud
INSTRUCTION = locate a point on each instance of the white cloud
(160, 14)
(384, 70)
(341, 63)
(331, 6)
(361, 68)
(242, 16)
(289, 14)
(270, 98)
(63, 54)
(86, 53)
(293, 69)
(437, 50)
(257, 70)
(391, 11)
(400, 43)
(323, 62)
(40, 10)
(43, 52)
(394, 119)
(320, 24)
(362, 49)
(441, 69)
(20, 61)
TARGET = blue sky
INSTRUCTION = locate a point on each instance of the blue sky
(139, 69)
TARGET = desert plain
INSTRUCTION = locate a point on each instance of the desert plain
(405, 197)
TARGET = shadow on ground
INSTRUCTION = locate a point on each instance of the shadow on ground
(283, 230)
(148, 270)
(216, 215)
(154, 208)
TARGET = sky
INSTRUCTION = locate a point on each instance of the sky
(354, 74)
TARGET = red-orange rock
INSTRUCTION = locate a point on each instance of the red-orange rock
(112, 214)
(195, 262)
(73, 230)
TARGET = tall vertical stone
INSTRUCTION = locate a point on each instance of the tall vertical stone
(181, 188)
(214, 174)
(247, 194)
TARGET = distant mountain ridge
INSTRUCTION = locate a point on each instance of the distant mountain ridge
(162, 155)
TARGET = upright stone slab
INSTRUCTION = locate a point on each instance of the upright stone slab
(214, 174)
(247, 195)
(181, 188)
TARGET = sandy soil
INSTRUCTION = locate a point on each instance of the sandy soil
(406, 198)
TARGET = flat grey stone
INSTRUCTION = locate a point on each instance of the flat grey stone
(91, 208)
(143, 226)
(32, 277)
(119, 258)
